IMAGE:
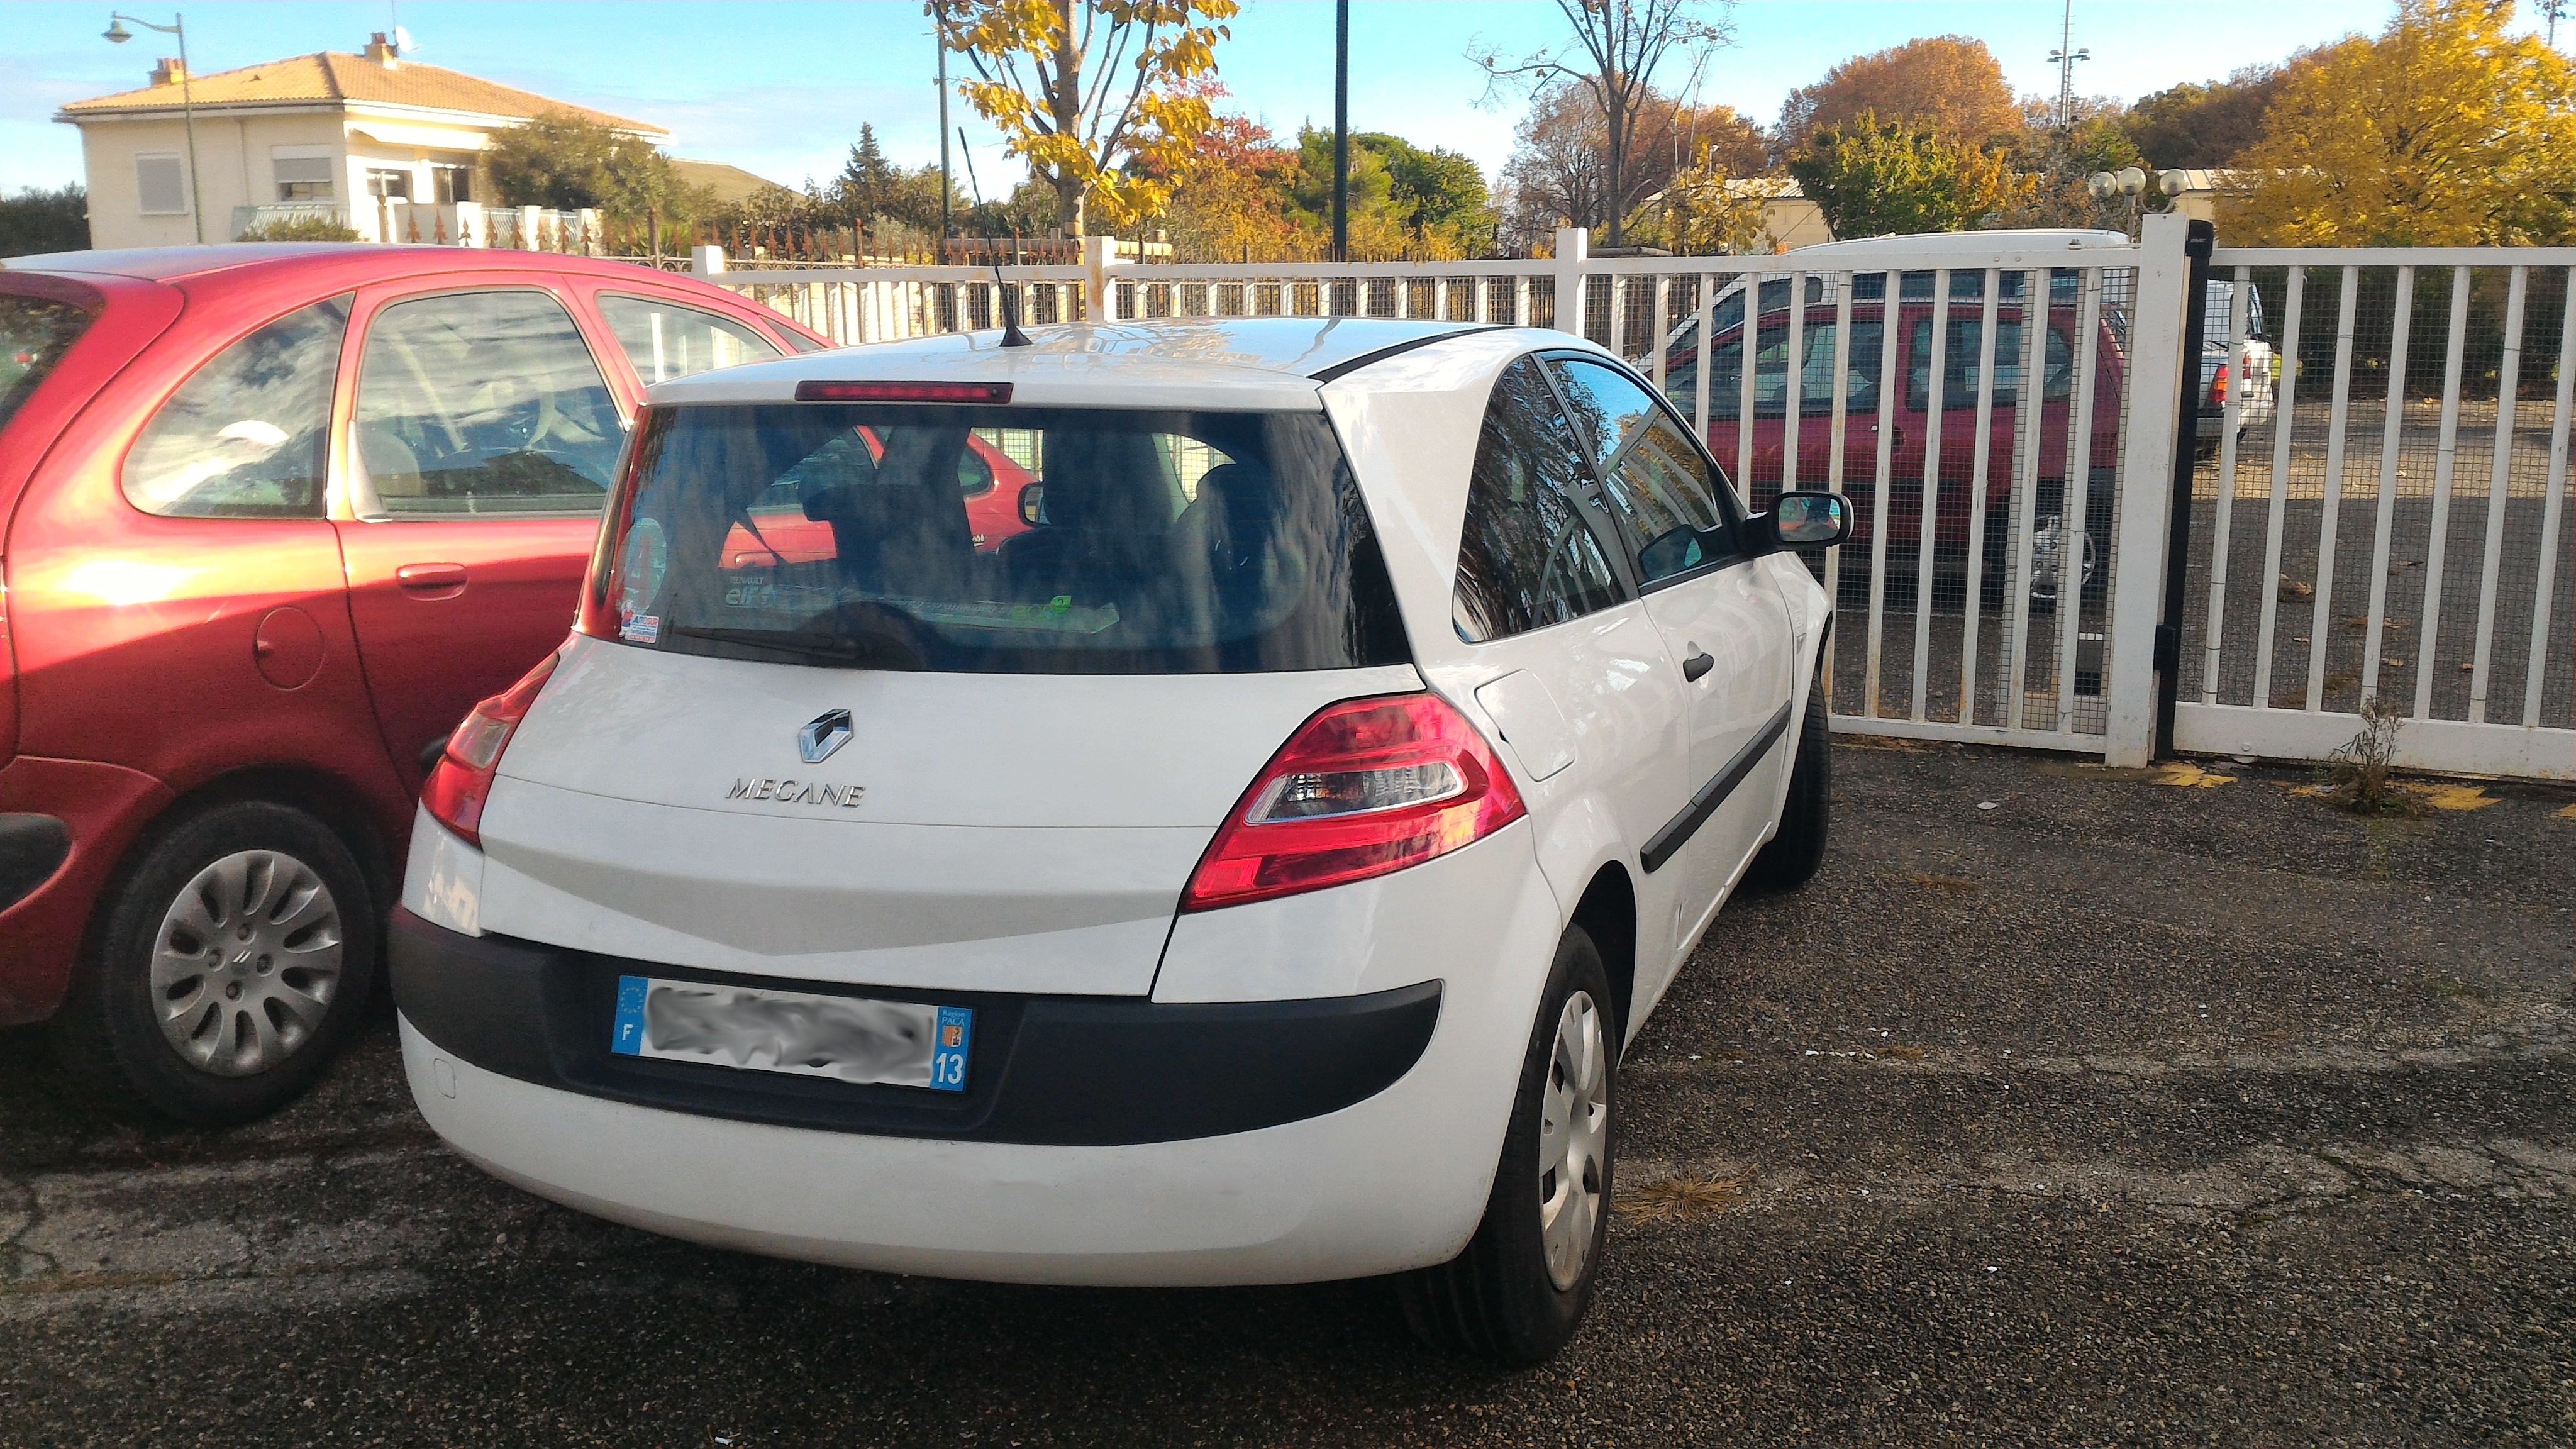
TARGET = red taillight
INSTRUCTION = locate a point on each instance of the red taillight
(2218, 385)
(1365, 787)
(463, 776)
(934, 392)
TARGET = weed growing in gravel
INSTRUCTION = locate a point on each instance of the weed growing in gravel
(1675, 1198)
(2358, 773)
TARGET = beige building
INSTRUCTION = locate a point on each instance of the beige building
(386, 145)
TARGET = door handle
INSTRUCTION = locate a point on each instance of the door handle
(430, 576)
(1697, 665)
(1896, 433)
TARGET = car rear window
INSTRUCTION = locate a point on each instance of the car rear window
(1000, 540)
(35, 332)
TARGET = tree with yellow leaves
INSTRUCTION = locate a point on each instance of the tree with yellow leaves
(1093, 94)
(2442, 131)
(1704, 211)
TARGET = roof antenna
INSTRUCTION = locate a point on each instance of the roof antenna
(1012, 336)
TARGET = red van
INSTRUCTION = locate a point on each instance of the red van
(276, 518)
(1912, 422)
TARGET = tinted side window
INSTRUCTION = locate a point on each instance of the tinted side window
(1661, 487)
(1770, 372)
(483, 402)
(34, 335)
(1959, 356)
(666, 341)
(1528, 556)
(1609, 407)
(247, 436)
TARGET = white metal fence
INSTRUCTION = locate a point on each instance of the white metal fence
(2397, 525)
(2005, 414)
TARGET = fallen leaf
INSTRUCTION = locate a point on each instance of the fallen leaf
(2190, 776)
(2291, 588)
(2568, 814)
(1951, 883)
(2393, 663)
(2449, 797)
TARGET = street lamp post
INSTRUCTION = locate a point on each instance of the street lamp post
(117, 34)
(2128, 181)
(1342, 131)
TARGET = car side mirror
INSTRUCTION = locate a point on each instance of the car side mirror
(1809, 520)
(1033, 504)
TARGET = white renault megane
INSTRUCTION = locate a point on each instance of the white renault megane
(1242, 863)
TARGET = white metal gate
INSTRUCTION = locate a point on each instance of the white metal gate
(2395, 525)
(2014, 480)
(1985, 595)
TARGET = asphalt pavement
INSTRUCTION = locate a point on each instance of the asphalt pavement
(2067, 1106)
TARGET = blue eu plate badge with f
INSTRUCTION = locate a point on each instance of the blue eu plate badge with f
(627, 1038)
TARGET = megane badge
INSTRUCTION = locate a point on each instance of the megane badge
(825, 733)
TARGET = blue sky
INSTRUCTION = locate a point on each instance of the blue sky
(781, 88)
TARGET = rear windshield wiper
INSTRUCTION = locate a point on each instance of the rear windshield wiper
(865, 651)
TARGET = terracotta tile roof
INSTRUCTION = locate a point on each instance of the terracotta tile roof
(333, 76)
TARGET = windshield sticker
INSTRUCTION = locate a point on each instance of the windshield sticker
(640, 628)
(648, 556)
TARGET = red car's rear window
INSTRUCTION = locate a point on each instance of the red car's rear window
(35, 332)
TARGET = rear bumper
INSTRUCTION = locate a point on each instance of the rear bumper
(1047, 1070)
(1316, 996)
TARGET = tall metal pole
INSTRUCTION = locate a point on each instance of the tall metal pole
(1341, 130)
(188, 110)
(2064, 58)
(939, 18)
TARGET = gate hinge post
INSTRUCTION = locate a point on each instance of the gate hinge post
(2147, 485)
(2199, 239)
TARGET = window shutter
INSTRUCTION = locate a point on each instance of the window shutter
(160, 186)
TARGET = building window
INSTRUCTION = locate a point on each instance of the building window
(395, 184)
(304, 178)
(160, 185)
(454, 183)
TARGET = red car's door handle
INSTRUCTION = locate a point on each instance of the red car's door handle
(429, 577)
(1895, 432)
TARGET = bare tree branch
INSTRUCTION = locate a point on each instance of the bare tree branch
(1615, 51)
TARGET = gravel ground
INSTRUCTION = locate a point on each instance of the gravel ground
(2065, 1107)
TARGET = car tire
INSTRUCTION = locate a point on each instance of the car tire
(1519, 1291)
(1791, 857)
(233, 957)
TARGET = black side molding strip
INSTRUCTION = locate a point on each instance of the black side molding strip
(1354, 364)
(1678, 831)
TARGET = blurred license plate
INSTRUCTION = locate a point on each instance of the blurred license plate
(846, 1038)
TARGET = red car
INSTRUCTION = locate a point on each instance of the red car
(1911, 419)
(276, 518)
(987, 474)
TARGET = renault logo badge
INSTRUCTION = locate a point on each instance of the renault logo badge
(822, 735)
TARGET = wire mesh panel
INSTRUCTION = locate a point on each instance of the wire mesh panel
(2380, 507)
